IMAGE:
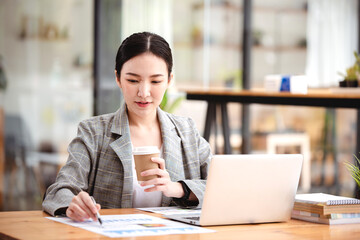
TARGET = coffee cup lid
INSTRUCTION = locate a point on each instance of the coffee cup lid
(145, 150)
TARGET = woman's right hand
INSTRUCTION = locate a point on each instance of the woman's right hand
(82, 208)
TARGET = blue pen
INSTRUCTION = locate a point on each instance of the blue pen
(97, 213)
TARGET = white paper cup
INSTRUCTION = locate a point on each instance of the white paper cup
(142, 159)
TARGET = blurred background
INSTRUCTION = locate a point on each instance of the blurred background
(57, 62)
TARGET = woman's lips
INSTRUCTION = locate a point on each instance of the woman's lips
(143, 104)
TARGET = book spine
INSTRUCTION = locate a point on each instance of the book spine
(344, 215)
(310, 219)
(328, 216)
(313, 208)
(324, 220)
(326, 209)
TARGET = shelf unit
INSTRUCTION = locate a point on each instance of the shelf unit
(225, 45)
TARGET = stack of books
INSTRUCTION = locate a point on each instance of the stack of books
(326, 208)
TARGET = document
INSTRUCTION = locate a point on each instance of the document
(172, 210)
(131, 225)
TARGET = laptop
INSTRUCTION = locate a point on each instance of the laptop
(245, 189)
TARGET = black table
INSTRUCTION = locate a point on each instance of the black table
(328, 98)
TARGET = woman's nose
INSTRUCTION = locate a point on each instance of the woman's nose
(144, 90)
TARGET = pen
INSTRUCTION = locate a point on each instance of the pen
(97, 213)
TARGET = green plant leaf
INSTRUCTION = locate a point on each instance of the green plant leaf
(354, 170)
(353, 71)
(164, 101)
(175, 104)
(168, 106)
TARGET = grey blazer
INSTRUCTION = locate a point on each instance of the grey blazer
(100, 161)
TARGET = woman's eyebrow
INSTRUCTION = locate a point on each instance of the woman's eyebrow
(137, 75)
(133, 74)
(156, 75)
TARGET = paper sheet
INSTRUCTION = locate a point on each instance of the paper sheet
(133, 225)
(172, 210)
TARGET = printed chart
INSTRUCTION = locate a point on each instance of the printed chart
(133, 225)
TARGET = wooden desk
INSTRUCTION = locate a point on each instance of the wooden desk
(314, 98)
(33, 225)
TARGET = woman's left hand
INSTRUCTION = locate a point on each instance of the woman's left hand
(163, 182)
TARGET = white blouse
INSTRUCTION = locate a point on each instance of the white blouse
(144, 199)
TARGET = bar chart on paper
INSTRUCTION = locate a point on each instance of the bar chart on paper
(133, 225)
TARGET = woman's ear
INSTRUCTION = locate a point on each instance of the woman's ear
(171, 79)
(117, 79)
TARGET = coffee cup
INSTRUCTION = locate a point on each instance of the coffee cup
(142, 159)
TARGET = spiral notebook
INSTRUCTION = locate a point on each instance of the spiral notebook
(326, 199)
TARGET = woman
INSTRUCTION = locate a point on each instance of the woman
(101, 163)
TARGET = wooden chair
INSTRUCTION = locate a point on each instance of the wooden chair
(275, 140)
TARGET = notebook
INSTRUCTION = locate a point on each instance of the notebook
(325, 204)
(326, 199)
(243, 189)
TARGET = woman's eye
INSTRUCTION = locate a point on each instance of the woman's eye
(132, 80)
(156, 81)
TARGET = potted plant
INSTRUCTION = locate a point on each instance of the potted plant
(354, 170)
(352, 74)
(170, 106)
(3, 84)
(257, 37)
(3, 81)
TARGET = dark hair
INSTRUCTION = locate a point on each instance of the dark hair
(139, 43)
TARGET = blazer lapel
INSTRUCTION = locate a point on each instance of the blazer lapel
(123, 149)
(171, 150)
